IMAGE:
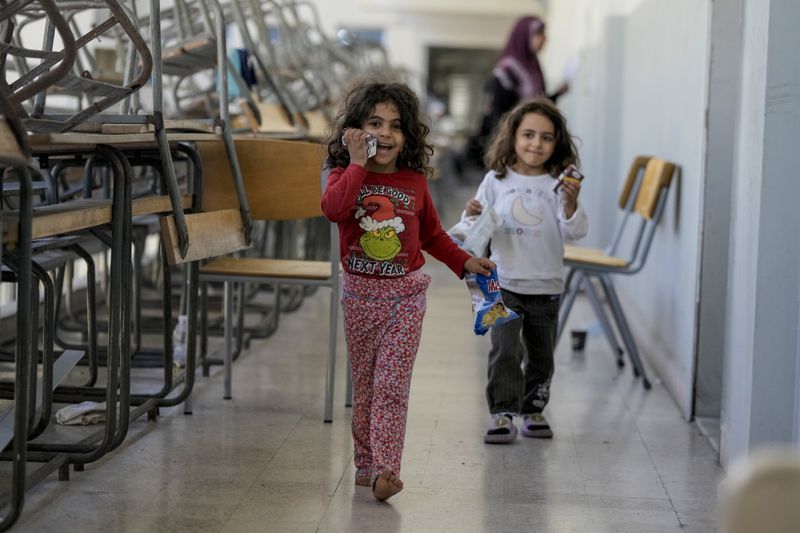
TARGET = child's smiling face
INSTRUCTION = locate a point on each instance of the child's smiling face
(384, 123)
(534, 143)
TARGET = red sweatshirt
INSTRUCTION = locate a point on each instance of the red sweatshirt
(385, 221)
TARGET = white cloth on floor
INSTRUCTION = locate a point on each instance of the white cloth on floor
(82, 413)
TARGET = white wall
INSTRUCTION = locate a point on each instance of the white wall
(664, 115)
(764, 310)
(642, 90)
(797, 385)
(574, 26)
(723, 101)
(745, 209)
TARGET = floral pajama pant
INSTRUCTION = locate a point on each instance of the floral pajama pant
(383, 324)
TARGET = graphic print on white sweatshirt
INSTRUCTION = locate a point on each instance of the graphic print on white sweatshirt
(528, 209)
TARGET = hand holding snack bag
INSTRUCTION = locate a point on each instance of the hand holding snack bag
(488, 308)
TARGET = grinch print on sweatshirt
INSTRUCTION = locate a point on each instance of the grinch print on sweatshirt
(385, 221)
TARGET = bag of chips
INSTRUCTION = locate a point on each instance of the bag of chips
(488, 308)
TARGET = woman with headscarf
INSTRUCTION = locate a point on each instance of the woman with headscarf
(517, 76)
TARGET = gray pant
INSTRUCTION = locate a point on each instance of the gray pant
(521, 358)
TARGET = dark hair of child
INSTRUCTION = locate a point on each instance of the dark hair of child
(502, 154)
(358, 105)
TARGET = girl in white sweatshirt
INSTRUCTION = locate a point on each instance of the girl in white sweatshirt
(530, 148)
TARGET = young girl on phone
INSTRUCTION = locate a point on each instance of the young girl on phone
(386, 218)
(530, 148)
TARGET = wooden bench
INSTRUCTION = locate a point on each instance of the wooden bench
(77, 215)
(274, 123)
(189, 57)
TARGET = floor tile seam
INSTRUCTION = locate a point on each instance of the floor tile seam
(429, 448)
(574, 442)
(263, 470)
(338, 484)
(601, 494)
(655, 466)
(332, 496)
(541, 495)
(487, 490)
(106, 464)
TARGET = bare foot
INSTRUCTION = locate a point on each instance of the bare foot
(363, 481)
(386, 485)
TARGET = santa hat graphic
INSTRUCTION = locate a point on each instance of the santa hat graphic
(382, 216)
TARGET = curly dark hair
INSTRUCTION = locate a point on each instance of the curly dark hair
(359, 104)
(501, 153)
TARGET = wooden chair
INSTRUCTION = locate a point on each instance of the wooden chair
(643, 197)
(282, 180)
(625, 204)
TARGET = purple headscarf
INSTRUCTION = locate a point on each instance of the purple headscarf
(518, 68)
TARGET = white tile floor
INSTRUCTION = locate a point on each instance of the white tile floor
(622, 460)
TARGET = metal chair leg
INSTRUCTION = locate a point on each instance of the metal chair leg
(332, 333)
(23, 353)
(204, 329)
(604, 322)
(622, 324)
(240, 314)
(568, 280)
(44, 397)
(571, 292)
(228, 297)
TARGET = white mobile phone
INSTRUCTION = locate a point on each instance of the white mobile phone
(372, 145)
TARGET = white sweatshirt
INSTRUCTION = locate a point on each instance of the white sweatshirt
(529, 245)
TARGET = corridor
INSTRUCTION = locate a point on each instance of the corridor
(622, 460)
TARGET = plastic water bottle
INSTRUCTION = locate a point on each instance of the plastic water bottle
(179, 338)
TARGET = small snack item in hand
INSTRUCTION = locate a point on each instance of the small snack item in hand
(488, 308)
(570, 174)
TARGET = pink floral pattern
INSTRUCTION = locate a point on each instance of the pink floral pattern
(383, 324)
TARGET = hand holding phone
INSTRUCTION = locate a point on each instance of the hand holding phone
(371, 143)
